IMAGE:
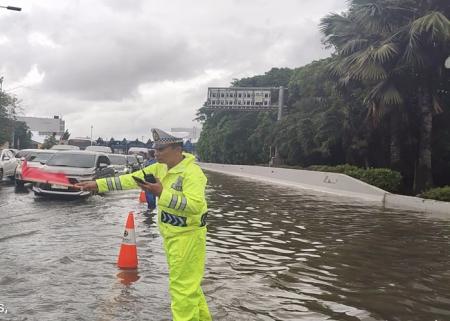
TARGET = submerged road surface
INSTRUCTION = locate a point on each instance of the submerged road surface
(274, 253)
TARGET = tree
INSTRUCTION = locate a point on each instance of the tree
(8, 106)
(65, 135)
(240, 137)
(49, 141)
(386, 44)
(22, 135)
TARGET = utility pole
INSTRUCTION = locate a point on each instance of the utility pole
(276, 160)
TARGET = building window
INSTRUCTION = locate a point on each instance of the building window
(221, 95)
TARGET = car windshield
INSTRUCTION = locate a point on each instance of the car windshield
(39, 157)
(22, 153)
(117, 160)
(72, 160)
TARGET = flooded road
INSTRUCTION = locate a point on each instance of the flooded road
(274, 253)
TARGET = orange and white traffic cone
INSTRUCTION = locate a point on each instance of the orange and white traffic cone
(142, 198)
(128, 252)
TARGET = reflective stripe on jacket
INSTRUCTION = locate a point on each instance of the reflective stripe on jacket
(181, 205)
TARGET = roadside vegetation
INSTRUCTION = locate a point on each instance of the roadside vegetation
(380, 103)
(11, 130)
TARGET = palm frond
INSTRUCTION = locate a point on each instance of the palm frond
(368, 72)
(431, 28)
(435, 24)
(384, 94)
(384, 53)
(353, 45)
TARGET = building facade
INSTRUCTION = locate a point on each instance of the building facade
(44, 126)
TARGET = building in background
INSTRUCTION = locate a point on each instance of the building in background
(44, 126)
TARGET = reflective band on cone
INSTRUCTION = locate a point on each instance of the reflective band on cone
(142, 198)
(128, 251)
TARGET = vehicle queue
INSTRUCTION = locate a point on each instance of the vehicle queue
(78, 165)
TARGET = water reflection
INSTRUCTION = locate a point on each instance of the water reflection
(280, 254)
(273, 254)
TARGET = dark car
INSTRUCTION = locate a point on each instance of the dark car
(79, 166)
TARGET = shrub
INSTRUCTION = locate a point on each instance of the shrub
(439, 194)
(383, 178)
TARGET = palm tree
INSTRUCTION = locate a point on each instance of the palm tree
(385, 44)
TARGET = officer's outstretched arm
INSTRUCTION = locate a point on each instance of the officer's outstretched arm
(126, 181)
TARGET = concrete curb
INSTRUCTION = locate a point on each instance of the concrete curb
(331, 183)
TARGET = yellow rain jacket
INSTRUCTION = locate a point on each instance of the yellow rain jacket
(182, 213)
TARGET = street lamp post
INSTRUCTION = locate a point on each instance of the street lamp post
(11, 8)
(91, 133)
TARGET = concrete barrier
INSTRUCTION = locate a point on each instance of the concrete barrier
(331, 183)
(334, 183)
(417, 204)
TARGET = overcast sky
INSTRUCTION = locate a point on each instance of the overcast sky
(125, 66)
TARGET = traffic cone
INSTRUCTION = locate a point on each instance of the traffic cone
(128, 251)
(142, 198)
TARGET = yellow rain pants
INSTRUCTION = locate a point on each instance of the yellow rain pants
(186, 259)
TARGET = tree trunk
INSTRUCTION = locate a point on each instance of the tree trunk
(395, 124)
(422, 177)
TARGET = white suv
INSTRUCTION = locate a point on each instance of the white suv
(8, 164)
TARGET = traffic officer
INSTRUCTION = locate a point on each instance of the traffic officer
(182, 212)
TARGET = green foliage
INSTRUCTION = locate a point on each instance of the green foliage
(439, 194)
(8, 105)
(65, 135)
(395, 49)
(49, 142)
(365, 106)
(22, 135)
(383, 178)
(240, 137)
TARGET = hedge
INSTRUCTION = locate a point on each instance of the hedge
(439, 194)
(383, 178)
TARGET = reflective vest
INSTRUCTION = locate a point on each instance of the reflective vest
(181, 205)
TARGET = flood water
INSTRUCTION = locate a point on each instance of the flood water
(274, 253)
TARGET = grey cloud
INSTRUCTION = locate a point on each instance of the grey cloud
(104, 50)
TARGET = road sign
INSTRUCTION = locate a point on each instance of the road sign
(242, 98)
